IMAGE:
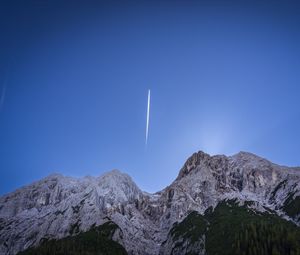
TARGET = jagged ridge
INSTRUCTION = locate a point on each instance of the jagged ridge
(59, 206)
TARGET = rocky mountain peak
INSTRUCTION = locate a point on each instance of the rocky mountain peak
(58, 206)
(249, 159)
(192, 162)
(118, 186)
(222, 163)
(116, 175)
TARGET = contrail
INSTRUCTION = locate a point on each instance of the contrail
(148, 116)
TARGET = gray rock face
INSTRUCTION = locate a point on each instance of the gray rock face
(58, 206)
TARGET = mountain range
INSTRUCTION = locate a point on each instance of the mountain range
(240, 204)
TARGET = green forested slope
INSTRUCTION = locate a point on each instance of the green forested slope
(232, 229)
(229, 229)
(96, 241)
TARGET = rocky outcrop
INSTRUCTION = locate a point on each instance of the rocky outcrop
(58, 206)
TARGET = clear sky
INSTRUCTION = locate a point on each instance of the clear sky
(224, 77)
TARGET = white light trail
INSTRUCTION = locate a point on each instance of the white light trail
(148, 117)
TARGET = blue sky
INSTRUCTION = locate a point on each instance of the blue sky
(224, 77)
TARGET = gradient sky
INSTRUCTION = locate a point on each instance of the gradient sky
(224, 77)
